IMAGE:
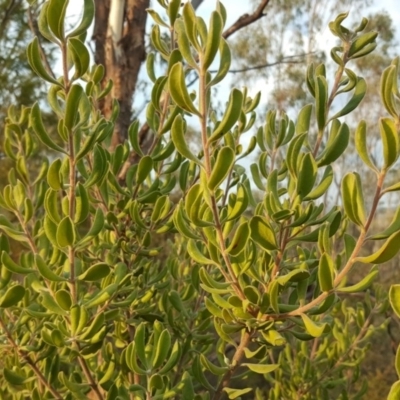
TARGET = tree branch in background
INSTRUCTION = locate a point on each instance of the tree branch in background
(283, 60)
(247, 19)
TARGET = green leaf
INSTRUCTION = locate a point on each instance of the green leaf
(307, 175)
(293, 153)
(394, 298)
(80, 56)
(66, 233)
(390, 141)
(326, 273)
(196, 255)
(178, 137)
(56, 17)
(189, 18)
(303, 120)
(360, 140)
(388, 82)
(95, 272)
(362, 41)
(222, 167)
(162, 348)
(172, 360)
(336, 146)
(240, 239)
(321, 101)
(358, 95)
(224, 62)
(230, 117)
(323, 186)
(178, 90)
(314, 329)
(53, 175)
(393, 227)
(353, 199)
(262, 233)
(363, 285)
(13, 378)
(385, 253)
(35, 61)
(144, 168)
(241, 203)
(235, 393)
(87, 19)
(13, 295)
(72, 105)
(261, 368)
(9, 264)
(45, 271)
(63, 299)
(394, 393)
(38, 127)
(214, 369)
(213, 39)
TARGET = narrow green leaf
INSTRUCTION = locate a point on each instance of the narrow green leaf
(358, 95)
(323, 186)
(13, 295)
(56, 17)
(46, 272)
(36, 63)
(261, 368)
(360, 140)
(178, 137)
(394, 298)
(220, 170)
(87, 19)
(38, 127)
(224, 62)
(178, 90)
(162, 348)
(9, 264)
(66, 233)
(213, 39)
(307, 175)
(95, 272)
(262, 233)
(385, 253)
(314, 329)
(363, 285)
(326, 272)
(335, 147)
(321, 101)
(390, 141)
(235, 393)
(240, 239)
(231, 115)
(144, 168)
(196, 255)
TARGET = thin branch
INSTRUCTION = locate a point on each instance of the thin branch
(246, 19)
(284, 60)
(236, 361)
(30, 362)
(196, 3)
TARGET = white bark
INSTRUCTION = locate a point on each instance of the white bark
(115, 25)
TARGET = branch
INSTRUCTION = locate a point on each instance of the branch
(283, 60)
(246, 19)
(196, 3)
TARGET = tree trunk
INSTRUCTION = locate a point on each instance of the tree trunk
(119, 34)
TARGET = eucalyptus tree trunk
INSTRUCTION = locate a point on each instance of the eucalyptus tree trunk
(119, 36)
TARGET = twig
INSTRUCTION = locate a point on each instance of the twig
(246, 19)
(30, 362)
